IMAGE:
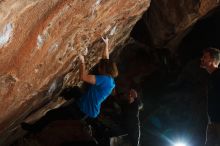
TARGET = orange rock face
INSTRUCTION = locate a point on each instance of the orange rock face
(40, 42)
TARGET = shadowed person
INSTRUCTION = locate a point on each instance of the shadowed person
(210, 62)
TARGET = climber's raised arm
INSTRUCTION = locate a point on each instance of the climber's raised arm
(83, 74)
(105, 53)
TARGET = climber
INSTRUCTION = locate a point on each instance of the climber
(89, 104)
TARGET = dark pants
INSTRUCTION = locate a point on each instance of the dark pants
(213, 134)
(134, 133)
(131, 129)
(69, 112)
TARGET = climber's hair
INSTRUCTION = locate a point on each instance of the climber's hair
(108, 67)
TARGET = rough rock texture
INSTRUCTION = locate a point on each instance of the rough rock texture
(39, 44)
(168, 20)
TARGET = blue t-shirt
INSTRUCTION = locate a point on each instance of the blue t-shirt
(90, 102)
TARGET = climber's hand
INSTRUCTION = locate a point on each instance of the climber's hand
(81, 58)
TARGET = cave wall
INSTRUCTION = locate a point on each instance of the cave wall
(167, 21)
(40, 42)
(205, 33)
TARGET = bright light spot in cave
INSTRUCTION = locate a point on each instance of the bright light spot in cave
(180, 144)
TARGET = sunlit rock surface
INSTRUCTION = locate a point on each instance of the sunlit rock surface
(40, 42)
(168, 20)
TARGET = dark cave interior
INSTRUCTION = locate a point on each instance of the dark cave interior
(173, 94)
